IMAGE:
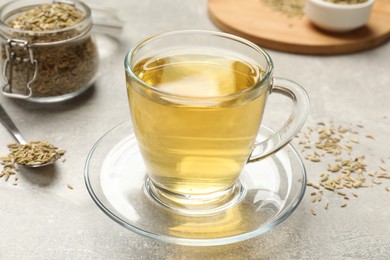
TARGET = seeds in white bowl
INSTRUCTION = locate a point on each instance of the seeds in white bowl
(346, 2)
(338, 15)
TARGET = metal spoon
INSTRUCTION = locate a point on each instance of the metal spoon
(11, 127)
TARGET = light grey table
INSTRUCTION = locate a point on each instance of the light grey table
(41, 218)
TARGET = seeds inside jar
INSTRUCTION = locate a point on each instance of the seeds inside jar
(52, 42)
(47, 17)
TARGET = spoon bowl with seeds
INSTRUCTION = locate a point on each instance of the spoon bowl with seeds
(30, 154)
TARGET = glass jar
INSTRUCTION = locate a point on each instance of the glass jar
(49, 65)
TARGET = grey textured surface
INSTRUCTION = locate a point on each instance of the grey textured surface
(41, 218)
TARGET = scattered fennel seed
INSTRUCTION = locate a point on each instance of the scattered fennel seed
(335, 145)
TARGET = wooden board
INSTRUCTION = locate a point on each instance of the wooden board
(254, 20)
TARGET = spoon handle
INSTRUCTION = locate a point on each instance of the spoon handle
(11, 127)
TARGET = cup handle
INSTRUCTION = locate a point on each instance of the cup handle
(293, 124)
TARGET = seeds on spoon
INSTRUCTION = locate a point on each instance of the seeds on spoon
(30, 154)
(34, 153)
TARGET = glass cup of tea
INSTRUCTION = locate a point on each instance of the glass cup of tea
(196, 100)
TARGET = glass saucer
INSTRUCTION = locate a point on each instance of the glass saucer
(115, 176)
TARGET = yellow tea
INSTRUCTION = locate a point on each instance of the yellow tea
(196, 139)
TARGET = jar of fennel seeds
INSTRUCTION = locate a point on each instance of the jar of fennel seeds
(47, 52)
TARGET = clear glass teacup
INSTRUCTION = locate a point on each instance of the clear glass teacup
(197, 99)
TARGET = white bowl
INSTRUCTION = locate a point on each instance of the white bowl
(338, 17)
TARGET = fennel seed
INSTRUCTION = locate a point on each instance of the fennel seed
(30, 154)
(341, 193)
(335, 145)
(290, 8)
(62, 69)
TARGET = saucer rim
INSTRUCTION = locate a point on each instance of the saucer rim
(194, 241)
